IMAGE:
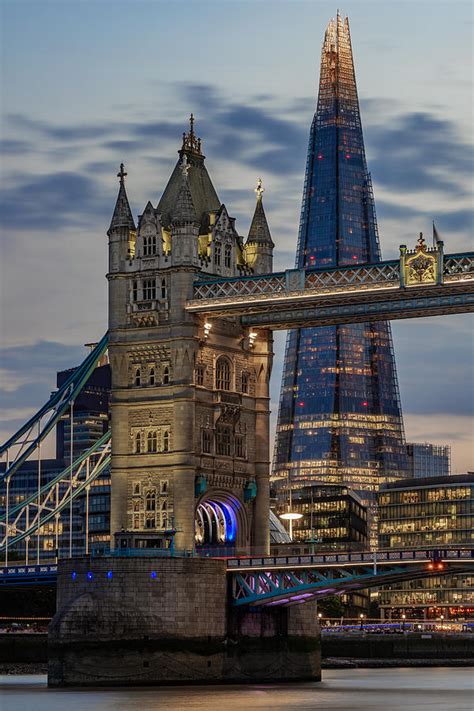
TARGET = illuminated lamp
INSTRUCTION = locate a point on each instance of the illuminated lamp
(109, 574)
(301, 404)
(153, 575)
(365, 403)
(320, 156)
(291, 516)
(73, 575)
(90, 576)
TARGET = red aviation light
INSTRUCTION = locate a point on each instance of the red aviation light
(365, 403)
(320, 156)
(354, 256)
(301, 403)
(348, 155)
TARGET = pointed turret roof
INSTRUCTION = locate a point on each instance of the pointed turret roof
(122, 216)
(259, 231)
(203, 194)
(184, 210)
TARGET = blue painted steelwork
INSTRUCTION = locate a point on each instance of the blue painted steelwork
(285, 581)
(55, 407)
(55, 496)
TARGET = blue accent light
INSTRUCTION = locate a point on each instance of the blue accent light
(109, 574)
(230, 522)
(73, 575)
(153, 575)
(89, 575)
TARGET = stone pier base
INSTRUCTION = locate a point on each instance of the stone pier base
(124, 621)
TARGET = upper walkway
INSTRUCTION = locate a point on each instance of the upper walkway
(424, 282)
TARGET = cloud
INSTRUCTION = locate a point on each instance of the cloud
(14, 146)
(420, 151)
(50, 202)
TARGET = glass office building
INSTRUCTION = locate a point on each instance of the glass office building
(428, 460)
(434, 512)
(340, 418)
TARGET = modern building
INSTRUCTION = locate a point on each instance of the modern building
(332, 517)
(432, 513)
(428, 460)
(340, 419)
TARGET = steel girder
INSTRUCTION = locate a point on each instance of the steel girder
(283, 587)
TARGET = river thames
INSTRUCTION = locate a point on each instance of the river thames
(386, 689)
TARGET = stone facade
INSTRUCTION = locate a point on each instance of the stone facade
(156, 621)
(190, 398)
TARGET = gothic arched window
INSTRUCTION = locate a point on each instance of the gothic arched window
(217, 253)
(152, 378)
(245, 382)
(138, 376)
(166, 441)
(228, 256)
(151, 501)
(223, 374)
(135, 290)
(163, 288)
(149, 245)
(138, 449)
(166, 375)
(152, 441)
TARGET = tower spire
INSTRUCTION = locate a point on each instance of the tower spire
(259, 231)
(184, 210)
(122, 215)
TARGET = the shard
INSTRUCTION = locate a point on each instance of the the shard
(340, 418)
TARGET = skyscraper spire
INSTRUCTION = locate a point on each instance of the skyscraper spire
(340, 417)
(122, 215)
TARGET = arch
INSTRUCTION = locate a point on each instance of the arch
(220, 520)
(152, 376)
(138, 376)
(166, 375)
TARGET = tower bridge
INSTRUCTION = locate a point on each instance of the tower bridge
(192, 307)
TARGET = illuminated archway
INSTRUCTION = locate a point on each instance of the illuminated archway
(220, 521)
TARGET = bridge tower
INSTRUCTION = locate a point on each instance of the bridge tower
(190, 397)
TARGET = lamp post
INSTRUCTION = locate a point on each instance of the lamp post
(290, 515)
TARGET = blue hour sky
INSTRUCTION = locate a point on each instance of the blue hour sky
(86, 85)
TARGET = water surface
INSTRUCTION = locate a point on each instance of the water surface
(440, 689)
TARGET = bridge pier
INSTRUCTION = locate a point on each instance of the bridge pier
(124, 621)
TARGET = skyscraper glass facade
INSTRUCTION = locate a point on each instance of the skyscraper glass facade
(340, 418)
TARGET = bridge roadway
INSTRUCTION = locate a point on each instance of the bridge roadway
(285, 580)
(350, 294)
(290, 580)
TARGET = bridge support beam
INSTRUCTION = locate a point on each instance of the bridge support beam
(167, 621)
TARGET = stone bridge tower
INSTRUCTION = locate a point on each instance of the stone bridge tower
(190, 397)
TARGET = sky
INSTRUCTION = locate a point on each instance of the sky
(85, 85)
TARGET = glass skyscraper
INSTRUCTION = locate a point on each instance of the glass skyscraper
(340, 418)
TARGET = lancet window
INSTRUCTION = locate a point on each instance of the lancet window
(223, 374)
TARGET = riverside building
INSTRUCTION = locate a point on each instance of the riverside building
(433, 513)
